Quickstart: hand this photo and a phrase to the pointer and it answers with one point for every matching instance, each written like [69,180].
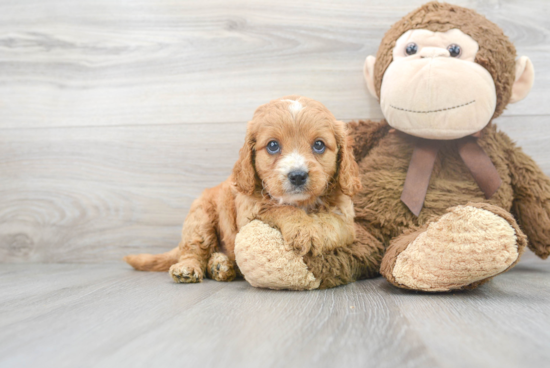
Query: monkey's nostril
[297,178]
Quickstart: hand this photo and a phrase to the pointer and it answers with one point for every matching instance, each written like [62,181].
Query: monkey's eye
[319,147]
[454,50]
[273,147]
[411,48]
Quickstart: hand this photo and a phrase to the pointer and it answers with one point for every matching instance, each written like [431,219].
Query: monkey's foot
[186,272]
[221,268]
[461,250]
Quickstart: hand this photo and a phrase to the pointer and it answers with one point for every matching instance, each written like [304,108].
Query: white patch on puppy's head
[295,107]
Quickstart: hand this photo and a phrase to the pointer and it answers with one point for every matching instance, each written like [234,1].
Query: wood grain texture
[145,62]
[97,194]
[93,194]
[115,115]
[111,316]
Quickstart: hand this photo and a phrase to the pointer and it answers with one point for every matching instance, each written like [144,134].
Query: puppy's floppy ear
[243,171]
[348,171]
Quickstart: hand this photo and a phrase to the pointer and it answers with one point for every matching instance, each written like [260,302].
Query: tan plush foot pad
[262,258]
[464,246]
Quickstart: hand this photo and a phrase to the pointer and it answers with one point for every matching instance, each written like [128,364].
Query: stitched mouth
[430,111]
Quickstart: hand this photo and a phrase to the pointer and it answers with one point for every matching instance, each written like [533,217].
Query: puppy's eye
[273,147]
[319,147]
[454,50]
[411,48]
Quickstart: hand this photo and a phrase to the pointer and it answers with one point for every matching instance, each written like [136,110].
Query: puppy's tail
[153,262]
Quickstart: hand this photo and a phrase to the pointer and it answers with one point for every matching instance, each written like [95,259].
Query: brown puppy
[295,172]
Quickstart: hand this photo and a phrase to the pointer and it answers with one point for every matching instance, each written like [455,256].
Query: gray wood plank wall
[114,115]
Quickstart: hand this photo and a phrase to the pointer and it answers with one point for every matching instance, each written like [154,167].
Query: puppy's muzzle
[297,178]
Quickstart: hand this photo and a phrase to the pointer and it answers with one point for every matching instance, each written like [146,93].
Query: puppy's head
[296,151]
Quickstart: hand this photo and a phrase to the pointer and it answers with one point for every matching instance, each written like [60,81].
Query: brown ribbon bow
[422,162]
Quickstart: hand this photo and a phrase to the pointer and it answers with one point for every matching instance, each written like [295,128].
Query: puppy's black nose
[297,178]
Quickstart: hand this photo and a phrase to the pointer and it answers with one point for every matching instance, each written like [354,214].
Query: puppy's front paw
[298,239]
[221,268]
[186,272]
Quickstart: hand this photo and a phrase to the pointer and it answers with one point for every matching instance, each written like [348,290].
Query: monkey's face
[449,77]
[434,89]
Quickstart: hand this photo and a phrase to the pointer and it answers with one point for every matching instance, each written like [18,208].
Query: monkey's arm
[531,201]
[365,134]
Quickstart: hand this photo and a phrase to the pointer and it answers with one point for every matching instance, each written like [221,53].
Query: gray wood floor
[106,315]
[115,115]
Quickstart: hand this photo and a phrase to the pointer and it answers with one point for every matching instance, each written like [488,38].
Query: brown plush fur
[525,190]
[384,154]
[496,53]
[400,243]
[317,222]
[359,260]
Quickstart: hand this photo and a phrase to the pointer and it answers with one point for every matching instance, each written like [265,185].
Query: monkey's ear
[368,72]
[525,76]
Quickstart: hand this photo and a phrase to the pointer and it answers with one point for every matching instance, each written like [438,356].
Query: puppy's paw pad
[221,268]
[184,273]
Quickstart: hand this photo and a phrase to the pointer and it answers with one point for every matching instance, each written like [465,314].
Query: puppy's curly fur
[314,218]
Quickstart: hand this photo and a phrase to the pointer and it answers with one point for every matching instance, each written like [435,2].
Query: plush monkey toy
[448,201]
